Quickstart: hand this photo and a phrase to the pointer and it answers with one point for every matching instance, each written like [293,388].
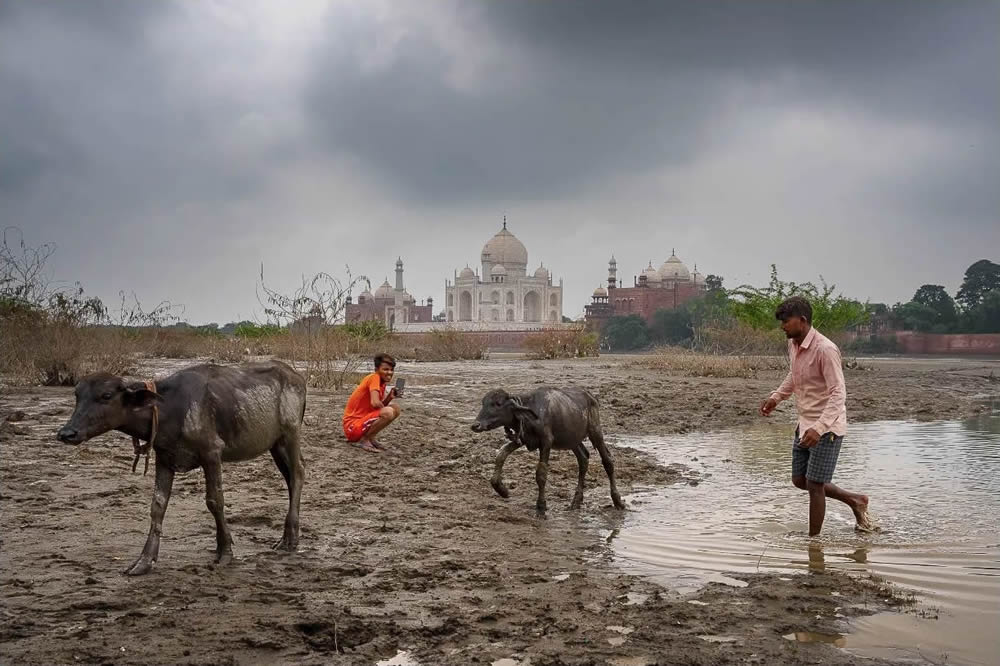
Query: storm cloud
[171,148]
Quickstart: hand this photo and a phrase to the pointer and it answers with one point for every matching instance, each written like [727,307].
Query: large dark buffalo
[546,419]
[201,416]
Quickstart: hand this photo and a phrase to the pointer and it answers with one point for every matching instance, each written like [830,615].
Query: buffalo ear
[520,409]
[142,397]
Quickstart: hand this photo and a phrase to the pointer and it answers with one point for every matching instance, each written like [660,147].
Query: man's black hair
[796,306]
[384,358]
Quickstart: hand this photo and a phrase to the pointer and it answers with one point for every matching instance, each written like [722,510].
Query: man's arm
[833,376]
[784,390]
[376,401]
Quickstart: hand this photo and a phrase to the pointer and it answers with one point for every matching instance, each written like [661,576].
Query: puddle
[616,641]
[838,640]
[402,658]
[934,486]
[635,599]
[719,639]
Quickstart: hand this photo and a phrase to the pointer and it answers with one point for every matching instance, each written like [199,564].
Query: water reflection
[935,487]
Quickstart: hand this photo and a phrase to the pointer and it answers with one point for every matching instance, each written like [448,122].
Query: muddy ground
[413,551]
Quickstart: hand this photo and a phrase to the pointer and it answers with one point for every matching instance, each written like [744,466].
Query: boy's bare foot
[365,445]
[383,447]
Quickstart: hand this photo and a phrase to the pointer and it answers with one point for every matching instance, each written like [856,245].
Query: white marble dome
[385,291]
[542,273]
[673,269]
[651,274]
[504,248]
[467,273]
[498,270]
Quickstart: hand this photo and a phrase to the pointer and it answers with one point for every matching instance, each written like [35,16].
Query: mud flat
[413,552]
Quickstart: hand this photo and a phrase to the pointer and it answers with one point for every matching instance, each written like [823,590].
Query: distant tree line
[974,309]
[745,307]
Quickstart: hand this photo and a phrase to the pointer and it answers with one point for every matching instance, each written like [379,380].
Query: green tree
[985,317]
[935,297]
[914,316]
[625,333]
[981,277]
[755,306]
[713,282]
[672,326]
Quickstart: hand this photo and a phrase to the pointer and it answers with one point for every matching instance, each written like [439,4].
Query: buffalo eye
[106,396]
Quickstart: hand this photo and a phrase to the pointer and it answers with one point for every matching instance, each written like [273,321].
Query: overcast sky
[169,148]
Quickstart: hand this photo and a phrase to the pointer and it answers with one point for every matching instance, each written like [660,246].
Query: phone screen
[400,383]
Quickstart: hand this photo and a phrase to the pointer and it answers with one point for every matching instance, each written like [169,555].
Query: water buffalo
[201,416]
[546,419]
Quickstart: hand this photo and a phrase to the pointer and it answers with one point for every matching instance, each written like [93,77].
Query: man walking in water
[817,381]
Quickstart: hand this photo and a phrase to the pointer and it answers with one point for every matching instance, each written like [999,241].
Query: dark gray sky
[170,148]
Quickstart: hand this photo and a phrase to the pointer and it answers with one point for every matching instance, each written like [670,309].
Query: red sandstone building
[388,305]
[654,289]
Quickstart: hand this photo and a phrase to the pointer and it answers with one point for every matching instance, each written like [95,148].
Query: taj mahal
[503,294]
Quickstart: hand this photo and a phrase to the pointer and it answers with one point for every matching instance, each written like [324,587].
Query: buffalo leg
[288,458]
[583,460]
[541,474]
[216,504]
[161,496]
[497,481]
[597,439]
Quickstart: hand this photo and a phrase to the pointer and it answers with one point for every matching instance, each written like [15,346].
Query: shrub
[571,343]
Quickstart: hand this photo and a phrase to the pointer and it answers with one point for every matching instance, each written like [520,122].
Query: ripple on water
[935,487]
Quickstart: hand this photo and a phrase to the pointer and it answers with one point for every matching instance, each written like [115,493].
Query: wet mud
[412,550]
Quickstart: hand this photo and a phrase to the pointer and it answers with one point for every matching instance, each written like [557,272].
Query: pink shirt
[817,381]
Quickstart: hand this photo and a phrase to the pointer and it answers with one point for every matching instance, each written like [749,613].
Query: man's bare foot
[380,446]
[365,445]
[865,522]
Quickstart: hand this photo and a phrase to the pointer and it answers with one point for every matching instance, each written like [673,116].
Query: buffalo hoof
[619,504]
[500,488]
[575,504]
[140,567]
[541,514]
[224,558]
[287,545]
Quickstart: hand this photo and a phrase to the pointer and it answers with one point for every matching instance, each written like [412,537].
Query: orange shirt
[359,405]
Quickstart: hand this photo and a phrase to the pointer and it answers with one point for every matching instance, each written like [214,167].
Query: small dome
[467,273]
[542,272]
[651,274]
[385,291]
[600,292]
[498,270]
[367,294]
[674,269]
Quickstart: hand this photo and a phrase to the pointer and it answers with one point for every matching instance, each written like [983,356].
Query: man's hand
[768,406]
[810,439]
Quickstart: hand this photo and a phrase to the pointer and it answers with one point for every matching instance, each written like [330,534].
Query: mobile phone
[400,383]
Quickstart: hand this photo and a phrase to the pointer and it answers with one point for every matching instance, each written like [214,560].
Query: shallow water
[934,487]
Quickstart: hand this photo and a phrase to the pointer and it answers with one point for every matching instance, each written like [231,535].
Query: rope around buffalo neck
[143,449]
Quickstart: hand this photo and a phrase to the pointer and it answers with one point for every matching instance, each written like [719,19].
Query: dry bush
[694,364]
[735,338]
[55,353]
[451,345]
[566,343]
[327,356]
